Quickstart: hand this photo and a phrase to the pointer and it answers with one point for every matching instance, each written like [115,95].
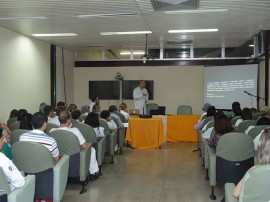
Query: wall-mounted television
[106,90]
[130,85]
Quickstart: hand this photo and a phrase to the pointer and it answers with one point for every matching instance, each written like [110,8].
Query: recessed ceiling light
[24,18]
[216,10]
[123,33]
[251,45]
[192,30]
[134,53]
[55,34]
[107,15]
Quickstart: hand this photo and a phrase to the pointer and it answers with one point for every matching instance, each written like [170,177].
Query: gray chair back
[50,126]
[15,135]
[254,132]
[245,124]
[235,147]
[207,119]
[31,157]
[104,124]
[234,119]
[11,120]
[4,187]
[67,142]
[74,122]
[151,106]
[14,125]
[87,131]
[210,124]
[122,117]
[184,110]
[255,116]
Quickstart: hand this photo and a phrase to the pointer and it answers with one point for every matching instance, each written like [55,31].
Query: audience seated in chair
[65,121]
[123,110]
[41,106]
[37,135]
[26,122]
[14,177]
[72,107]
[85,110]
[210,112]
[113,113]
[204,108]
[5,134]
[105,114]
[92,120]
[263,157]
[236,109]
[52,117]
[94,101]
[245,115]
[77,115]
[222,126]
[206,134]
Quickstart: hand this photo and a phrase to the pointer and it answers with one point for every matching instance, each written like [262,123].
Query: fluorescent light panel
[216,10]
[192,30]
[55,34]
[107,15]
[134,53]
[251,45]
[24,18]
[124,33]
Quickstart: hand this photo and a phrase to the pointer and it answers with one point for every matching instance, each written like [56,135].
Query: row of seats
[72,156]
[181,110]
[233,157]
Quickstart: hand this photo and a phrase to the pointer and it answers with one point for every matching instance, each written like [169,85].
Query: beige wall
[173,85]
[25,73]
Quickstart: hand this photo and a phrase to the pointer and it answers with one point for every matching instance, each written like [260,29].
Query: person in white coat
[140,96]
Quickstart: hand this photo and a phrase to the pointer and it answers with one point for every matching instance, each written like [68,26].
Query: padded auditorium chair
[256,116]
[151,106]
[111,138]
[245,124]
[199,134]
[234,119]
[14,125]
[233,157]
[25,193]
[209,125]
[50,126]
[255,186]
[11,120]
[184,110]
[120,136]
[254,132]
[34,158]
[15,135]
[122,117]
[74,122]
[68,144]
[90,137]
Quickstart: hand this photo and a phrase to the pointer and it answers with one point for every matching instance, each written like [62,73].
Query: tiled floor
[171,174]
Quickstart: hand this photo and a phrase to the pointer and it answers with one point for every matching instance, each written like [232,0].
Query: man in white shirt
[140,96]
[13,175]
[65,122]
[123,110]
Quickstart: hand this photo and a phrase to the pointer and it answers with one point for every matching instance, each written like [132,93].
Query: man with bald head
[65,123]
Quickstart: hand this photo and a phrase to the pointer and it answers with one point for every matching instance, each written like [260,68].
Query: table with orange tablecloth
[145,133]
[180,128]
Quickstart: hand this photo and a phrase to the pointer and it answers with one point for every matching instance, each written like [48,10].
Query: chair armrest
[85,156]
[101,150]
[212,166]
[60,175]
[113,140]
[229,187]
[25,193]
[206,155]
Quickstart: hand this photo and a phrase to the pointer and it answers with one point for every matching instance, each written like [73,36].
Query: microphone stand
[258,98]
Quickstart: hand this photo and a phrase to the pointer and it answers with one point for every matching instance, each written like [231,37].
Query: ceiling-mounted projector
[119,76]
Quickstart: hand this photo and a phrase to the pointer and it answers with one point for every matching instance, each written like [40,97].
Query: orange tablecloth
[180,128]
[145,133]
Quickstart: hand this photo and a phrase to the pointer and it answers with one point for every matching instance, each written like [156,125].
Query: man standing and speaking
[140,96]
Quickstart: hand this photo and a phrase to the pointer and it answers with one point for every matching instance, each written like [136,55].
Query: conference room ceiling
[242,20]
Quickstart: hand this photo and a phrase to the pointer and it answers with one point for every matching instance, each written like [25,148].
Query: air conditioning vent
[186,43]
[173,5]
